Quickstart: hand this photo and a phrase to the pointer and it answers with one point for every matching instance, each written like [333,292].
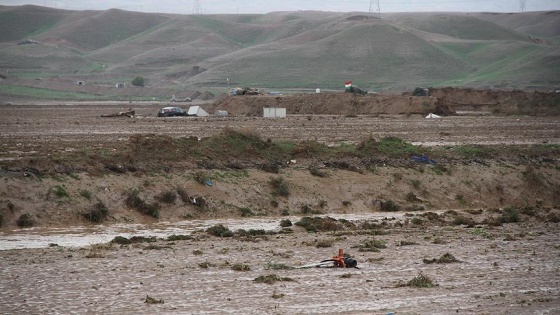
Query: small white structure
[197,111]
[317,90]
[430,115]
[274,112]
[221,113]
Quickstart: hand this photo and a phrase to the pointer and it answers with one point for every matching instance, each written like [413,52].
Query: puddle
[83,236]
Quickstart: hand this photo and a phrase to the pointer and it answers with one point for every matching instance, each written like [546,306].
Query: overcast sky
[264,6]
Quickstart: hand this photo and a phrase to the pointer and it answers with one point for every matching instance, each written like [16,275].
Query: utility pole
[375,7]
[522,5]
[197,8]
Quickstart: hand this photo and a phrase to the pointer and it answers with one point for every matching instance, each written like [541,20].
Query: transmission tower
[374,7]
[197,8]
[522,5]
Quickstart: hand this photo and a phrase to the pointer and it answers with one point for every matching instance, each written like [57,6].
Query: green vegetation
[219,230]
[168,197]
[60,191]
[25,220]
[388,146]
[316,224]
[98,213]
[134,201]
[420,281]
[280,186]
[371,245]
[138,81]
[86,194]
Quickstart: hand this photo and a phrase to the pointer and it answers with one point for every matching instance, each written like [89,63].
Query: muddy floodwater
[509,269]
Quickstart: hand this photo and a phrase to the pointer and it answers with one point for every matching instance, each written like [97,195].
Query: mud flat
[508,269]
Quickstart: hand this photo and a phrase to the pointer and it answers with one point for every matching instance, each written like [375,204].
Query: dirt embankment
[443,101]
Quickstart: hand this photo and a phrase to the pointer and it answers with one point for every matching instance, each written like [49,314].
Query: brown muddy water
[511,269]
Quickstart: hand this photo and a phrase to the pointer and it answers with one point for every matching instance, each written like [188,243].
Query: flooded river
[39,237]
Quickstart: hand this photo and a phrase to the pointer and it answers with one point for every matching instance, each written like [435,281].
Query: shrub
[389,205]
[121,240]
[138,81]
[446,258]
[415,183]
[246,212]
[510,215]
[1,219]
[11,206]
[174,237]
[98,213]
[183,195]
[134,201]
[280,186]
[317,172]
[316,224]
[285,223]
[168,197]
[25,220]
[462,220]
[219,230]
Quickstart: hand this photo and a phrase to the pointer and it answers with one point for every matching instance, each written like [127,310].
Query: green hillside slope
[284,49]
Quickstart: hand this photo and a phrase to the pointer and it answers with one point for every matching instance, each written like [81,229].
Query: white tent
[197,111]
[430,115]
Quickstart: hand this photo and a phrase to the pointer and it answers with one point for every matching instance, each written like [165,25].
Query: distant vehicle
[181,99]
[171,111]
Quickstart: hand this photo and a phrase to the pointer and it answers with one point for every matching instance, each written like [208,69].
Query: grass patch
[420,281]
[60,191]
[86,194]
[388,146]
[371,245]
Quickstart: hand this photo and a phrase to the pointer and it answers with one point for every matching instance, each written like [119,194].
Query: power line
[197,8]
[374,6]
